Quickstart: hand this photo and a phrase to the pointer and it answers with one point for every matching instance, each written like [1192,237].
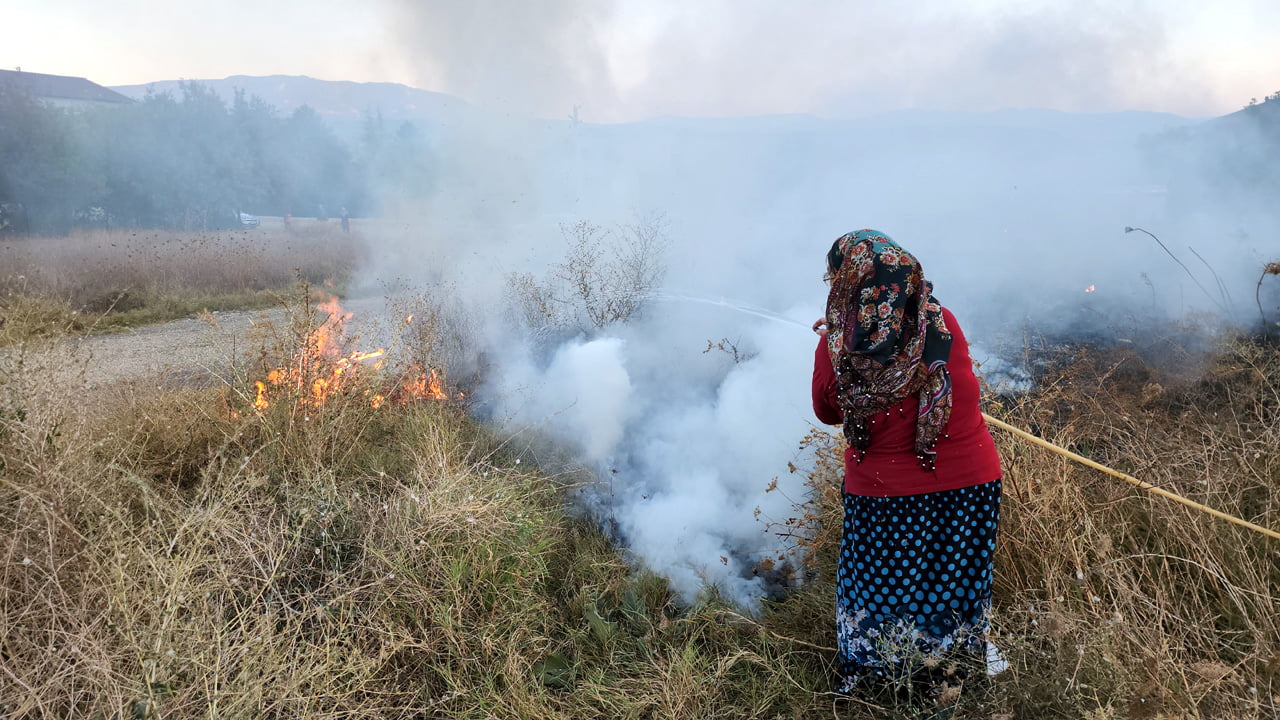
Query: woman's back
[966,453]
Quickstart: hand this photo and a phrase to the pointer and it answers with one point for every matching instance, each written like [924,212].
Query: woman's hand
[820,326]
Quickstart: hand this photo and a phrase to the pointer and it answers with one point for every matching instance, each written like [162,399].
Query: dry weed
[172,552]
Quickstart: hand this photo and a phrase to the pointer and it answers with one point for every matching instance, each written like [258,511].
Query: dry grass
[1112,603]
[168,552]
[105,280]
[1127,598]
[172,553]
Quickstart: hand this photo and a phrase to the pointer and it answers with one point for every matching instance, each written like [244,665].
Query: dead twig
[1272,268]
[1183,265]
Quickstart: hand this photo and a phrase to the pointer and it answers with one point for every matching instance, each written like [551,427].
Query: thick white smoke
[1013,215]
[686,441]
[582,397]
[632,59]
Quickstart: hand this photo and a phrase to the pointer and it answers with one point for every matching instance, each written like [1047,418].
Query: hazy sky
[632,59]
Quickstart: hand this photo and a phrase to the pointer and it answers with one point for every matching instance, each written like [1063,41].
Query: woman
[922,475]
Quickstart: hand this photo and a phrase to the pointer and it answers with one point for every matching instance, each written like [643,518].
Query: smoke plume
[1012,213]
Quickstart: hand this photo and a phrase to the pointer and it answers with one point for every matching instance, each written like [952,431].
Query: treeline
[191,161]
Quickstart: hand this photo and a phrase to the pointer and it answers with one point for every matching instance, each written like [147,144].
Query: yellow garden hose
[1130,479]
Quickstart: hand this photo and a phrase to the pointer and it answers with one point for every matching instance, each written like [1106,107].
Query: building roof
[61,87]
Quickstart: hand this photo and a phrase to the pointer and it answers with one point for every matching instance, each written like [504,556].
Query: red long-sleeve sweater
[966,453]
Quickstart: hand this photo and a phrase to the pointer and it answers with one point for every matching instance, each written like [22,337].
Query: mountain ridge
[396,101]
[331,98]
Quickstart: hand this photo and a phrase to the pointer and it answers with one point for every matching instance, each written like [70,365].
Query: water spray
[739,307]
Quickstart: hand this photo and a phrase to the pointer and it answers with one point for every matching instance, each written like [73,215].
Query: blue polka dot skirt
[913,589]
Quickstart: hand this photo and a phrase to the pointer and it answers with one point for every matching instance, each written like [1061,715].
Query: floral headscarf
[887,339]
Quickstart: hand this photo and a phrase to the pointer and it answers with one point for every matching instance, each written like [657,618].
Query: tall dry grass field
[1124,600]
[174,549]
[110,279]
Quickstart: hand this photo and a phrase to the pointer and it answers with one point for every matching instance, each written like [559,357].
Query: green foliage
[191,162]
[43,165]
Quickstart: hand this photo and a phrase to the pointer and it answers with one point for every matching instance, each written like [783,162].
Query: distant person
[288,221]
[346,220]
[321,213]
[922,476]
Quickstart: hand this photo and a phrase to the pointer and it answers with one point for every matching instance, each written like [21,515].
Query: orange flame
[1091,288]
[327,339]
[320,371]
[421,385]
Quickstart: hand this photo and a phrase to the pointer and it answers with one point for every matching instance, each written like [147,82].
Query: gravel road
[193,345]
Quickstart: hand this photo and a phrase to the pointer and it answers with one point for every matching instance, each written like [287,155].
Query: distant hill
[1266,112]
[337,100]
[1234,159]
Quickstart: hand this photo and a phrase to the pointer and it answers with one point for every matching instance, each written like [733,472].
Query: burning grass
[107,280]
[322,368]
[174,551]
[183,552]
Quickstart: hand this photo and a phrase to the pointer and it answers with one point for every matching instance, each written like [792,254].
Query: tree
[604,279]
[395,166]
[183,161]
[42,167]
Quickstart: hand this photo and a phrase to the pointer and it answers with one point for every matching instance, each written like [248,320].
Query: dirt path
[194,345]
